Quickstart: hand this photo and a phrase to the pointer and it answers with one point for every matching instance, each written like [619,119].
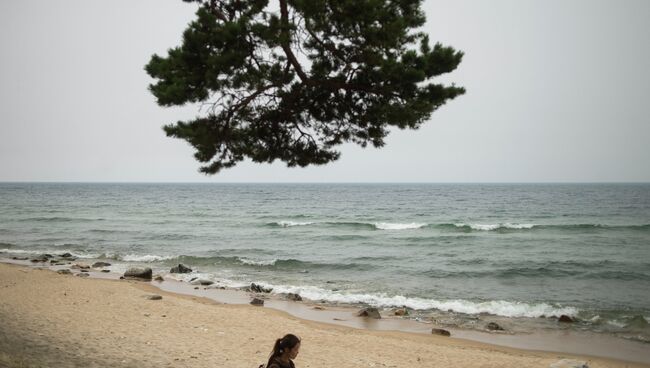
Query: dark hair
[289,341]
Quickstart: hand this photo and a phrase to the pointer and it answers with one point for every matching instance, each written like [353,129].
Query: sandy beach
[51,320]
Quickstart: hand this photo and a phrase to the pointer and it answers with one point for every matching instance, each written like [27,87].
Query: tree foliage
[294,79]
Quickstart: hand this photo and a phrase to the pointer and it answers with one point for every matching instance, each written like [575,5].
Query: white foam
[53,252]
[495,307]
[257,263]
[143,258]
[491,227]
[186,277]
[616,323]
[20,251]
[293,223]
[397,226]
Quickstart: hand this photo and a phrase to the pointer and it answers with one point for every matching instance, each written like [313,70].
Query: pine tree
[294,79]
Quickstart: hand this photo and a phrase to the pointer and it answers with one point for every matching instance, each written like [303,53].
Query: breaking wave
[494,307]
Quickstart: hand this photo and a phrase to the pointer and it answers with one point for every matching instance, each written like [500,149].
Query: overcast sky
[557,91]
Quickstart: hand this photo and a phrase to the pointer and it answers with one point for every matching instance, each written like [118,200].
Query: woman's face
[293,353]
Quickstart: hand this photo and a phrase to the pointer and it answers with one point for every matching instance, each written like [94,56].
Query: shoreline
[545,345]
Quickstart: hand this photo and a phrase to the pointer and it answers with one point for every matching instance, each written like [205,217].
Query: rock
[138,273]
[202,282]
[318,307]
[294,297]
[401,312]
[66,255]
[440,331]
[181,268]
[196,288]
[569,363]
[20,258]
[257,301]
[192,279]
[565,318]
[83,274]
[81,266]
[101,264]
[106,271]
[159,278]
[154,297]
[259,288]
[47,255]
[84,270]
[369,312]
[64,271]
[40,258]
[53,261]
[493,326]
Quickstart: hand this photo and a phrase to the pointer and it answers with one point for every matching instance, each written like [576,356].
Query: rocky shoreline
[346,315]
[50,319]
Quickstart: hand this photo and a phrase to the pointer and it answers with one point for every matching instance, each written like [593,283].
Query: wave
[290,223]
[147,258]
[494,307]
[133,257]
[357,225]
[492,227]
[553,270]
[272,264]
[460,227]
[397,226]
[252,262]
[294,264]
[517,226]
[74,253]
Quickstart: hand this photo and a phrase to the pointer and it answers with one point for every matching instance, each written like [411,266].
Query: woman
[284,351]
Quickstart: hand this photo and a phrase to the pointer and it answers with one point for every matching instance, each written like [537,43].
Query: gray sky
[557,91]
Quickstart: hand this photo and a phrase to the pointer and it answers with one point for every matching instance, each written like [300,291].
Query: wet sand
[49,320]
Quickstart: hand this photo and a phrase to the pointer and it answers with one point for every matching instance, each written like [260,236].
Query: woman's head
[286,347]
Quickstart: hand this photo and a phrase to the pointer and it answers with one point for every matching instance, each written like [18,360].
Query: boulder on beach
[66,255]
[293,296]
[82,275]
[569,363]
[20,258]
[259,288]
[41,258]
[181,268]
[440,331]
[202,282]
[257,301]
[78,266]
[369,312]
[64,271]
[101,264]
[493,326]
[159,278]
[154,297]
[401,312]
[566,319]
[138,273]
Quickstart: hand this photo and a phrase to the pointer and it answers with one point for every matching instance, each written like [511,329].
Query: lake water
[519,253]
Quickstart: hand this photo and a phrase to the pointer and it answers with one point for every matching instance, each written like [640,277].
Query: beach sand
[52,320]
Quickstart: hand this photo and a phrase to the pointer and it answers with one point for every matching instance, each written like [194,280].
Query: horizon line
[320,182]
